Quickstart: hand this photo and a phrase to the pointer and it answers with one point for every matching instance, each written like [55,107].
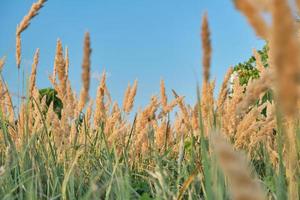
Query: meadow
[241,144]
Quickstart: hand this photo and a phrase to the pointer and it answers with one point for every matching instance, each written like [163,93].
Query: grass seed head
[206,47]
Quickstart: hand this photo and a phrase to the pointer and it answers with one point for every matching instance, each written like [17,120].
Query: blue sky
[131,39]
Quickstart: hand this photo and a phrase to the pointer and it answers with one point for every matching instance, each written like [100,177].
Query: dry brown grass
[2,62]
[285,49]
[254,89]
[206,47]
[33,72]
[24,25]
[251,10]
[241,182]
[86,65]
[236,113]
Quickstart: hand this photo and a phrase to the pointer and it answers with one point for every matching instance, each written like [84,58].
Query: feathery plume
[161,134]
[71,99]
[224,90]
[184,112]
[259,64]
[195,117]
[6,105]
[147,115]
[86,62]
[129,97]
[50,114]
[247,127]
[33,72]
[10,107]
[206,47]
[207,105]
[150,110]
[18,50]
[22,121]
[86,65]
[235,168]
[143,125]
[112,122]
[207,102]
[229,117]
[180,103]
[100,111]
[255,19]
[126,96]
[67,61]
[267,126]
[163,96]
[53,77]
[89,113]
[2,62]
[60,68]
[285,50]
[2,97]
[24,24]
[32,13]
[172,104]
[254,89]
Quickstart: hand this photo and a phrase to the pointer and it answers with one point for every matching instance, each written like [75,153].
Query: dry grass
[251,10]
[241,182]
[24,25]
[206,47]
[153,143]
[86,65]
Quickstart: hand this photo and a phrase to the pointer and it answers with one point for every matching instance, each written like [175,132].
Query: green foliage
[51,96]
[247,69]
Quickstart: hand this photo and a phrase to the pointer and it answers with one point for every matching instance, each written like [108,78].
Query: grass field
[236,145]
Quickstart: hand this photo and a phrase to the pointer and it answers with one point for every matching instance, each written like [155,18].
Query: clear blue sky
[131,39]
